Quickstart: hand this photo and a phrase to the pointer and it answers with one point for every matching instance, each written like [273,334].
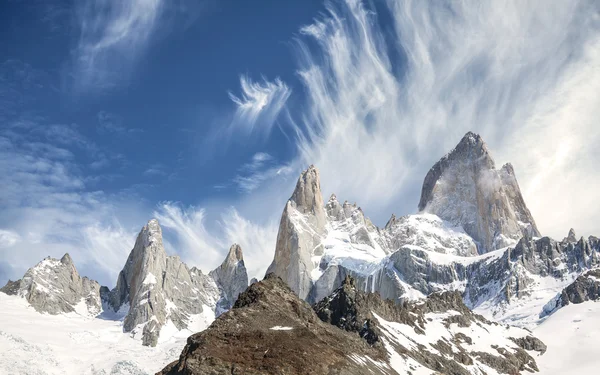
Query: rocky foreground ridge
[152,289]
[272,331]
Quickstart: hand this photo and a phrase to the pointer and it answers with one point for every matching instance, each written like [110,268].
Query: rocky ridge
[585,288]
[416,255]
[54,286]
[270,330]
[153,290]
[157,289]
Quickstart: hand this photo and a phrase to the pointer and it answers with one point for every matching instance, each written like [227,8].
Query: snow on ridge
[150,279]
[281,328]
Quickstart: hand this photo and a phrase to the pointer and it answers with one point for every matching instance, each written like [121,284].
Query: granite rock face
[54,286]
[231,276]
[156,288]
[301,231]
[466,189]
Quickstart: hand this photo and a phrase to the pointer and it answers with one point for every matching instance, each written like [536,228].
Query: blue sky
[203,113]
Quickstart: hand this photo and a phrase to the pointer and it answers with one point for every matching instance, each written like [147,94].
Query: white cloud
[46,209]
[8,238]
[259,170]
[258,106]
[187,235]
[113,35]
[383,105]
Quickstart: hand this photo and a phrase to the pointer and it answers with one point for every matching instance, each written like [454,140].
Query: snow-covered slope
[572,335]
[44,344]
[156,295]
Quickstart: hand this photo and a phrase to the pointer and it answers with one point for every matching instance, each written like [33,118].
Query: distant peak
[333,198]
[472,138]
[390,222]
[235,253]
[572,237]
[66,259]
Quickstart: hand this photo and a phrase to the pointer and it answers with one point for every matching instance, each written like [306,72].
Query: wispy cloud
[188,235]
[382,107]
[262,167]
[46,207]
[113,35]
[258,106]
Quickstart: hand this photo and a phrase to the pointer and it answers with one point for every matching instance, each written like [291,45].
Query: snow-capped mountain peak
[465,188]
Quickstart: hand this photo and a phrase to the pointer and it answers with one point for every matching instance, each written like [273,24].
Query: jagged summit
[158,289]
[231,276]
[54,286]
[301,230]
[571,237]
[466,189]
[307,195]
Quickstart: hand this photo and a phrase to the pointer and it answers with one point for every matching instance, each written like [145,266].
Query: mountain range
[460,287]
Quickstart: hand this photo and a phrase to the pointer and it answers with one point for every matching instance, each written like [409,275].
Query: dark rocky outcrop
[355,311]
[585,288]
[271,331]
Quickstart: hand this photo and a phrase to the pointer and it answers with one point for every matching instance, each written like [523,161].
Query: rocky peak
[157,288]
[231,277]
[391,222]
[66,259]
[271,331]
[301,231]
[571,237]
[307,195]
[54,286]
[466,189]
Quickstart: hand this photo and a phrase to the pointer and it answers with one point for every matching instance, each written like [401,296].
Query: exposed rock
[531,343]
[157,288]
[54,286]
[571,237]
[466,189]
[300,234]
[271,331]
[231,277]
[585,288]
[398,327]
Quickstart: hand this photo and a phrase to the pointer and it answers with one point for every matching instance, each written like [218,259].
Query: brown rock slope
[271,331]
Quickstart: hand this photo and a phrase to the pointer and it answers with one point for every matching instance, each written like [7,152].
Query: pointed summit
[157,288]
[231,277]
[466,189]
[307,195]
[572,237]
[66,259]
[301,229]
